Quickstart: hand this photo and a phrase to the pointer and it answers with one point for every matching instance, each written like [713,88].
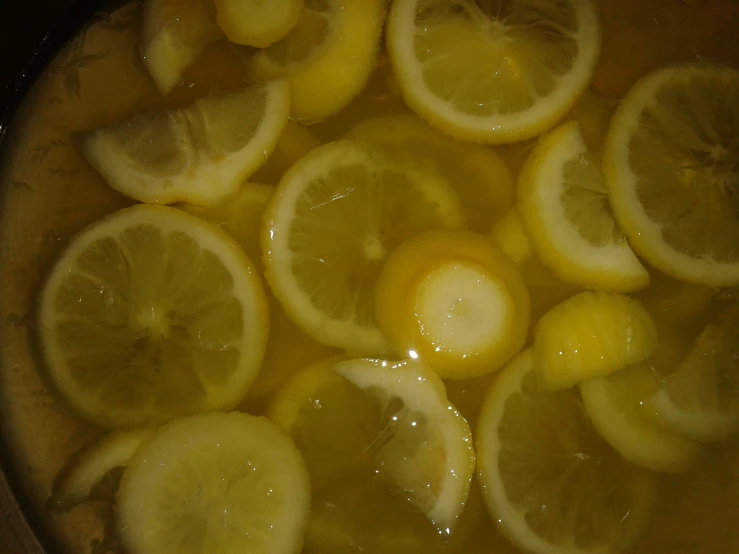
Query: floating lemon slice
[493,73]
[199,154]
[670,161]
[388,428]
[700,399]
[589,335]
[563,202]
[215,483]
[173,34]
[78,480]
[328,57]
[616,405]
[337,214]
[481,178]
[454,301]
[152,313]
[548,479]
[256,22]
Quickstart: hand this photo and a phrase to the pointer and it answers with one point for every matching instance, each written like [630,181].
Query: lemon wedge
[173,34]
[199,154]
[79,478]
[481,178]
[214,483]
[452,300]
[327,58]
[336,215]
[589,335]
[388,428]
[256,22]
[670,161]
[493,73]
[149,314]
[563,203]
[549,481]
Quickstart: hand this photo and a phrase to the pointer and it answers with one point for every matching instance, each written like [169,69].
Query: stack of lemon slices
[403,243]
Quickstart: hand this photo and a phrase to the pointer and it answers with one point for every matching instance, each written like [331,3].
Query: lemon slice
[337,214]
[78,480]
[616,405]
[589,335]
[493,73]
[481,178]
[256,22]
[388,428]
[214,483]
[173,34]
[563,202]
[548,479]
[328,57]
[149,314]
[199,154]
[701,398]
[452,300]
[670,161]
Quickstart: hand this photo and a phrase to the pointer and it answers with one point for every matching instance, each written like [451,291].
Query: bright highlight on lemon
[454,301]
[200,154]
[492,72]
[151,314]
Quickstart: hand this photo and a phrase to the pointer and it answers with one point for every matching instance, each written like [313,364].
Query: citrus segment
[548,479]
[493,72]
[214,483]
[149,314]
[256,22]
[336,215]
[671,160]
[327,58]
[563,202]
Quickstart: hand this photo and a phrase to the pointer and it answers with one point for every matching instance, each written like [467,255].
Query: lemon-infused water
[484,229]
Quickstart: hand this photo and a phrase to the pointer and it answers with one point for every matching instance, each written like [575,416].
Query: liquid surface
[49,193]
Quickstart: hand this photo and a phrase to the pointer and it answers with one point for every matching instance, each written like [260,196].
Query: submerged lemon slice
[327,58]
[670,160]
[493,73]
[589,335]
[336,215]
[214,483]
[256,22]
[173,34]
[152,313]
[199,154]
[479,176]
[549,481]
[386,427]
[563,202]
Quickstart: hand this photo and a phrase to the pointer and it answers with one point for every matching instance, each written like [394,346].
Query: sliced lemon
[337,214]
[452,300]
[481,178]
[295,142]
[214,483]
[258,23]
[173,34]
[328,57]
[563,202]
[491,72]
[670,161]
[545,289]
[589,335]
[152,313]
[79,478]
[548,479]
[387,428]
[199,154]
[616,405]
[701,398]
